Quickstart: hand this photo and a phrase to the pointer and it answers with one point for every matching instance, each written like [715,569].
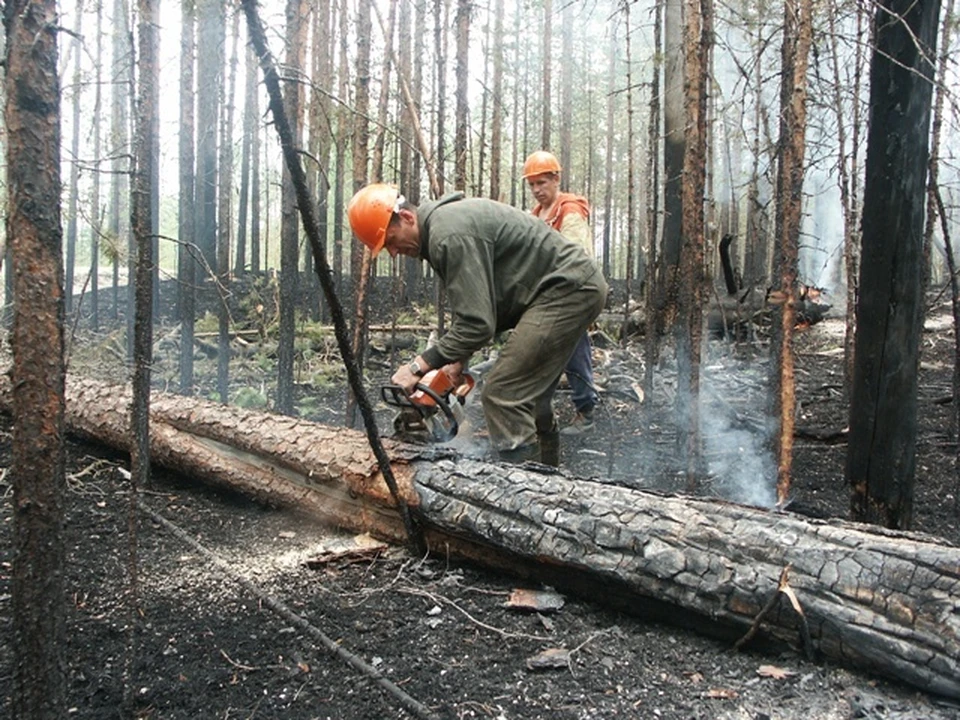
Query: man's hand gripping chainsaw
[433,412]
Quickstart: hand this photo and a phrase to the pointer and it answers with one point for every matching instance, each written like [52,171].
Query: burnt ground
[239,605]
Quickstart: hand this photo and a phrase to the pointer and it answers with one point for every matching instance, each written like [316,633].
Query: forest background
[490,82]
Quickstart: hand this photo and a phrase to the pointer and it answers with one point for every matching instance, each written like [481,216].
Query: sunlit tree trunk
[881,459]
[37,471]
[697,37]
[795,51]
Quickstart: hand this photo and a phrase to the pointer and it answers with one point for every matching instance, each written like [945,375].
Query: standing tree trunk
[673,155]
[246,145]
[462,111]
[566,98]
[360,255]
[340,157]
[32,116]
[631,209]
[496,109]
[73,191]
[186,223]
[95,214]
[606,241]
[547,76]
[698,31]
[797,38]
[119,150]
[210,14]
[290,219]
[651,339]
[881,460]
[225,224]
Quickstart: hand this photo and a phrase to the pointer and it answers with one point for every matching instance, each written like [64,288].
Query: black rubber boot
[521,454]
[549,448]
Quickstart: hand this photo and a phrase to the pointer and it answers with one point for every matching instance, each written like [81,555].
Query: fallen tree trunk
[884,601]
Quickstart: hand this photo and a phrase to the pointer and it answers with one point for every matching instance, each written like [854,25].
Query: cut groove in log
[884,601]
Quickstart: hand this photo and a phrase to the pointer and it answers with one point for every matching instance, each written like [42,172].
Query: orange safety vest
[566,203]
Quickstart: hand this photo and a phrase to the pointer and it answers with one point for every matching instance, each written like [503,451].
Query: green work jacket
[494,262]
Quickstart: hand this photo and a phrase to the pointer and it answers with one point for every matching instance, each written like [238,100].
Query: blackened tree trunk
[32,116]
[881,459]
[652,339]
[290,219]
[673,153]
[631,207]
[797,38]
[186,222]
[344,126]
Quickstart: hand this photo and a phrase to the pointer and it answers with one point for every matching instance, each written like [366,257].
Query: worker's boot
[549,447]
[522,454]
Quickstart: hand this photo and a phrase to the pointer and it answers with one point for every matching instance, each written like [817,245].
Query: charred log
[741,310]
[888,602]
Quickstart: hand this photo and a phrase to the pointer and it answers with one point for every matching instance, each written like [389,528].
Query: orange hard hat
[370,210]
[540,162]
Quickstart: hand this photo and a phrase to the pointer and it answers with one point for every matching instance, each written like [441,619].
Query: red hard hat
[369,211]
[540,162]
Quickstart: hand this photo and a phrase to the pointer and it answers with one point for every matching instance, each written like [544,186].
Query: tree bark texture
[886,601]
[881,461]
[33,228]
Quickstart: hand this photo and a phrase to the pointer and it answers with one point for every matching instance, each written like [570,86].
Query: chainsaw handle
[442,405]
[396,396]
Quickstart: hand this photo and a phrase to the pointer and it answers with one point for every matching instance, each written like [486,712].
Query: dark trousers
[518,392]
[579,370]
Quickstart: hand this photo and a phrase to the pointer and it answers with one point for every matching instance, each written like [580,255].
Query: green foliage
[208,323]
[250,398]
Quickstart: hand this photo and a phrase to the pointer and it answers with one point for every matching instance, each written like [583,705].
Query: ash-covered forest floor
[238,605]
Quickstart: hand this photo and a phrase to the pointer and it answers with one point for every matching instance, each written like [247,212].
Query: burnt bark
[885,601]
[881,461]
[33,227]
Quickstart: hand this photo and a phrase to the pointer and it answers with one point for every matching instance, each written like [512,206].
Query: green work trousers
[518,392]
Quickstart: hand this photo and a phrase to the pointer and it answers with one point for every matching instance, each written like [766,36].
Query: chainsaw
[433,412]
